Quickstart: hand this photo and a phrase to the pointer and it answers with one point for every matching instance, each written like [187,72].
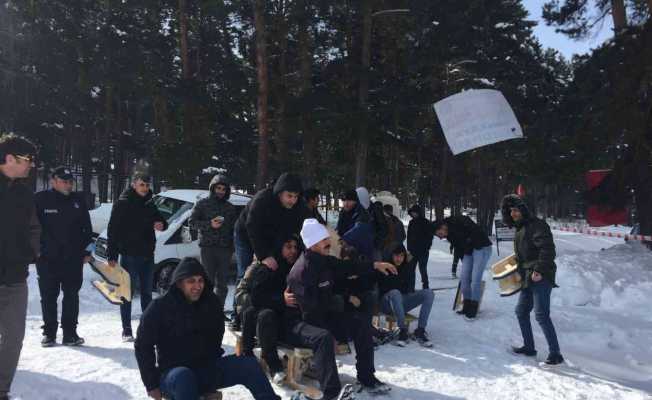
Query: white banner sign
[476,118]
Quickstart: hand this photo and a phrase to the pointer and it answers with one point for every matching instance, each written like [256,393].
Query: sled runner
[458,303]
[115,284]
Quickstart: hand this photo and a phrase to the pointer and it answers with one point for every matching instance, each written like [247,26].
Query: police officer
[65,247]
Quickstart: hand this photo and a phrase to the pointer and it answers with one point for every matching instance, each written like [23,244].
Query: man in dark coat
[535,253]
[261,303]
[352,212]
[310,283]
[179,343]
[214,218]
[65,240]
[19,246]
[419,241]
[273,213]
[396,234]
[311,196]
[468,238]
[131,236]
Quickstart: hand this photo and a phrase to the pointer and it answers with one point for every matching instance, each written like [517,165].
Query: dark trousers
[266,325]
[140,269]
[55,277]
[13,309]
[536,296]
[216,261]
[183,383]
[422,262]
[320,341]
[244,256]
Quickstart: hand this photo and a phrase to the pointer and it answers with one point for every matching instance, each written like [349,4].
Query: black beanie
[350,195]
[188,267]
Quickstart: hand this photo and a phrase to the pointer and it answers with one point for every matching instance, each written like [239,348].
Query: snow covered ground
[601,313]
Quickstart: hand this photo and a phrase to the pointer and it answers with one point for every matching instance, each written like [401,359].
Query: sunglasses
[26,157]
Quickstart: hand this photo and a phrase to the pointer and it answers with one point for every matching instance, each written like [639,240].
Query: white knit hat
[313,232]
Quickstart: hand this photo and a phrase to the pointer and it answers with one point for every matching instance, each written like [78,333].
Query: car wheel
[164,277]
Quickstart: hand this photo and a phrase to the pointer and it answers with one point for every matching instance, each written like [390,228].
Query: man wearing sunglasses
[19,246]
[64,250]
[134,218]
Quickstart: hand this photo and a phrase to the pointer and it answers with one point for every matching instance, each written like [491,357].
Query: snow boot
[471,311]
[554,359]
[48,341]
[72,339]
[127,335]
[524,351]
[403,338]
[422,337]
[465,307]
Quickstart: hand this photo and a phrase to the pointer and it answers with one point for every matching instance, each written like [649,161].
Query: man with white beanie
[317,309]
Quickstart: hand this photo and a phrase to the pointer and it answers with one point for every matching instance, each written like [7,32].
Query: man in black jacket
[469,239]
[311,196]
[19,246]
[310,285]
[179,343]
[352,212]
[214,218]
[535,253]
[273,213]
[131,236]
[65,238]
[396,233]
[261,304]
[419,241]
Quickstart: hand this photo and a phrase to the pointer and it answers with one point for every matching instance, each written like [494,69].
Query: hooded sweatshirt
[210,207]
[420,232]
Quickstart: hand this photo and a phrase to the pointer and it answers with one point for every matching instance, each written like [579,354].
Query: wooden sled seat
[388,321]
[506,273]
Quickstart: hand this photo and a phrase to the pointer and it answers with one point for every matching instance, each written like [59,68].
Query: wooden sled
[458,303]
[387,321]
[116,283]
[297,360]
[506,273]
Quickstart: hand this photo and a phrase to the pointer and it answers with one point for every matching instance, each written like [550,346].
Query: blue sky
[549,38]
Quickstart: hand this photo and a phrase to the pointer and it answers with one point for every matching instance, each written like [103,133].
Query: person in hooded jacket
[311,290]
[534,248]
[419,241]
[65,240]
[469,239]
[134,218]
[396,234]
[311,196]
[398,297]
[214,218]
[261,303]
[352,212]
[179,344]
[272,213]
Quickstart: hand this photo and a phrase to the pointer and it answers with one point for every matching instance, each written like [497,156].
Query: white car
[176,242]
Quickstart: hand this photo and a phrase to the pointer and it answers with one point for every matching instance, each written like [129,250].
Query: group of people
[291,288]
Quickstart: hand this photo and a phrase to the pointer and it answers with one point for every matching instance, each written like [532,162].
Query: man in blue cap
[65,237]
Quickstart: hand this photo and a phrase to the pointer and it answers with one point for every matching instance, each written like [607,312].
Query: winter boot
[403,338]
[373,386]
[127,335]
[422,337]
[554,359]
[72,339]
[465,307]
[48,341]
[524,351]
[471,311]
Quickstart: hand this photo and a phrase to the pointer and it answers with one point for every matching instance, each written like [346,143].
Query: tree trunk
[305,87]
[362,149]
[183,39]
[263,92]
[619,15]
[281,91]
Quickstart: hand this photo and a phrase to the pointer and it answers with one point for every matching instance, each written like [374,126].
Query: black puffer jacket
[131,226]
[207,209]
[175,333]
[265,222]
[66,225]
[420,232]
[465,235]
[533,242]
[20,232]
[404,280]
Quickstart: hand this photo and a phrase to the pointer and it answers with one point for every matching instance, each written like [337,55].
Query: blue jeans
[537,296]
[140,269]
[183,383]
[396,303]
[473,266]
[244,255]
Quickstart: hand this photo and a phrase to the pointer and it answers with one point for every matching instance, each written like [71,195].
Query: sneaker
[72,340]
[403,338]
[127,336]
[554,359]
[347,392]
[453,275]
[47,341]
[373,387]
[279,377]
[422,337]
[382,386]
[524,351]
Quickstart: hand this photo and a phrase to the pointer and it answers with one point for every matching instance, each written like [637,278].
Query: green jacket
[535,250]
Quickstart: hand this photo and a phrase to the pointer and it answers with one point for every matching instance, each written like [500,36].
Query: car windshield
[171,208]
